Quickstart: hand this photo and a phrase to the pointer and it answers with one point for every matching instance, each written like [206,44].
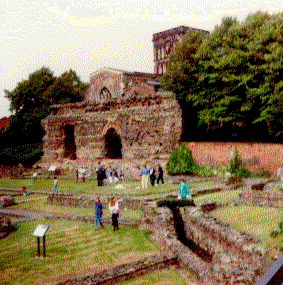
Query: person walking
[114,211]
[55,191]
[152,176]
[144,177]
[160,174]
[77,176]
[100,174]
[98,213]
[184,190]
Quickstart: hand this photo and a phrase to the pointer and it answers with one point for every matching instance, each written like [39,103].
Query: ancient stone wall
[258,192]
[234,258]
[147,127]
[131,270]
[89,202]
[6,226]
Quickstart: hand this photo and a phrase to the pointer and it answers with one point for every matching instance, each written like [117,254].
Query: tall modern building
[164,42]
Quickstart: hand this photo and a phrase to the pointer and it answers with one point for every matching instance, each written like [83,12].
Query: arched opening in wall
[69,142]
[104,94]
[113,144]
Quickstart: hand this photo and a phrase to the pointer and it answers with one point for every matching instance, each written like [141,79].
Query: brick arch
[112,143]
[112,126]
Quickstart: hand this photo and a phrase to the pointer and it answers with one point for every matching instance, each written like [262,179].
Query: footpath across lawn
[72,248]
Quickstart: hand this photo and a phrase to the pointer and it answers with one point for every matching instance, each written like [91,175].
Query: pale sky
[86,35]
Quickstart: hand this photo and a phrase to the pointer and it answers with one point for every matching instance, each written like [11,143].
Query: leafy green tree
[234,75]
[181,162]
[30,103]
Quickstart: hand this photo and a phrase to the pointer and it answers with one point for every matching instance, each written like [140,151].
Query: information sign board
[41,230]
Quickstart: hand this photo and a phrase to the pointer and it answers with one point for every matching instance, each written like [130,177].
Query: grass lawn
[258,221]
[73,248]
[39,203]
[132,188]
[164,277]
[223,196]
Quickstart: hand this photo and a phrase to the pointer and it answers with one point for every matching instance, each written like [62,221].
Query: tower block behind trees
[164,43]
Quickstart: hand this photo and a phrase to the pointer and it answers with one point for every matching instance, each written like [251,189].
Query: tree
[234,76]
[30,103]
[181,161]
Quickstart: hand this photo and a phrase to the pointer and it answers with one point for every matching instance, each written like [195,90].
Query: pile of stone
[6,201]
[225,253]
[258,192]
[6,226]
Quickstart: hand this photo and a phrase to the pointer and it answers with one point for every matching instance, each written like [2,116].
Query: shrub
[235,162]
[181,162]
[236,165]
[242,172]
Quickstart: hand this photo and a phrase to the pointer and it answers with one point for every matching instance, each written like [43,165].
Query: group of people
[111,174]
[152,175]
[114,211]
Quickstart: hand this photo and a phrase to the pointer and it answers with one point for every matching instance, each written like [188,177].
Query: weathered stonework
[256,192]
[225,256]
[127,271]
[6,201]
[164,42]
[148,122]
[89,202]
[6,226]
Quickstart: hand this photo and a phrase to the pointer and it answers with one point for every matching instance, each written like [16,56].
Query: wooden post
[38,246]
[44,248]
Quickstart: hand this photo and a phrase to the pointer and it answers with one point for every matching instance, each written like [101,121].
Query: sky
[87,35]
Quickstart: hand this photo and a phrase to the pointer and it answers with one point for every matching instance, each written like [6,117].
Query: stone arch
[112,144]
[104,94]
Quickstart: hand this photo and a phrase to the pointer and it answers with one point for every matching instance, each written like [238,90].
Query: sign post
[41,231]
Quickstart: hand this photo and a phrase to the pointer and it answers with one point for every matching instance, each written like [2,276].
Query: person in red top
[24,191]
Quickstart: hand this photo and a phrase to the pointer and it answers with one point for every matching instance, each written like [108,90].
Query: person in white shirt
[114,211]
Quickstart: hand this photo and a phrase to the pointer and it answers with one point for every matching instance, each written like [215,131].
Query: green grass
[164,277]
[223,196]
[132,188]
[72,248]
[39,203]
[258,221]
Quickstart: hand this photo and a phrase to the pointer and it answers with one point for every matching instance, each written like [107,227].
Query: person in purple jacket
[98,213]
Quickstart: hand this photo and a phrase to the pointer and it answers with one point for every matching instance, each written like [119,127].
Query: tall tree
[30,103]
[236,74]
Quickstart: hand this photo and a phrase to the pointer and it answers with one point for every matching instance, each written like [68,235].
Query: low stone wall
[6,226]
[221,256]
[6,201]
[262,199]
[160,221]
[258,193]
[131,270]
[89,202]
[235,255]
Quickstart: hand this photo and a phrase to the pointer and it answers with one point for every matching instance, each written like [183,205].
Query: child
[24,191]
[55,185]
[184,190]
[98,212]
[114,211]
